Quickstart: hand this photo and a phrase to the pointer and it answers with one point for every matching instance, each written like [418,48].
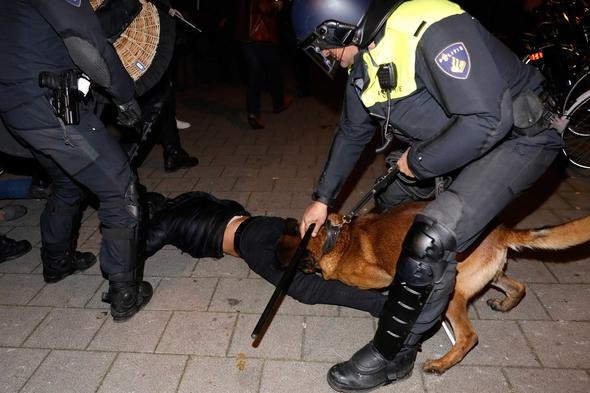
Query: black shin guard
[427,250]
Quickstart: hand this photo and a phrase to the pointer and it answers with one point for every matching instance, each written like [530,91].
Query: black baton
[282,287]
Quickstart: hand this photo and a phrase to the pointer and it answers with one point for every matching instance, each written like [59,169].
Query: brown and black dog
[366,252]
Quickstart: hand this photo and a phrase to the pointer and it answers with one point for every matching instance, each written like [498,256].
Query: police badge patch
[454,61]
[75,3]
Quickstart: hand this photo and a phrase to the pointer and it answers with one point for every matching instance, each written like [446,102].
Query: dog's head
[315,250]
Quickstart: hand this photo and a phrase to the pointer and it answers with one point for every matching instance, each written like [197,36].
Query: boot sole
[343,389]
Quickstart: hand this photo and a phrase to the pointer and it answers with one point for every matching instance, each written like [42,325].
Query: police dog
[365,252]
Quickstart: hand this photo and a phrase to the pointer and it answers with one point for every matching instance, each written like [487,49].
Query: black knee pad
[426,250]
[194,222]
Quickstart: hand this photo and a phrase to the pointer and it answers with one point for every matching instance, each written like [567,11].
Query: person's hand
[129,113]
[402,164]
[316,213]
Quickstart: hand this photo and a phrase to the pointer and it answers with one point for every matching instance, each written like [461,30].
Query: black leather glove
[129,113]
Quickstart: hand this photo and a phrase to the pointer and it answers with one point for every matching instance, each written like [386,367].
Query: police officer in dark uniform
[61,39]
[466,106]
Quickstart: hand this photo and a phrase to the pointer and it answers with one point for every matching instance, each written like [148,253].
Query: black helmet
[324,24]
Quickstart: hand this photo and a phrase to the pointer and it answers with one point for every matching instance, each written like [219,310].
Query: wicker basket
[145,47]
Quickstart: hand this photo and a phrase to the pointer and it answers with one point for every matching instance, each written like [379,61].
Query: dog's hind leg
[465,336]
[514,291]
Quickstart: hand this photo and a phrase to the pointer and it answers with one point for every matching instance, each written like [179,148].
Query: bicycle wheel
[577,133]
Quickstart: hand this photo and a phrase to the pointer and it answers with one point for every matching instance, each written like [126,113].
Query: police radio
[387,76]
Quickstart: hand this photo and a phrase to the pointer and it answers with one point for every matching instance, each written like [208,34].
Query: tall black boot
[368,369]
[426,252]
[127,294]
[176,158]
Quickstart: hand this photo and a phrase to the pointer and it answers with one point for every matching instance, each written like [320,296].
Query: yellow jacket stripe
[398,45]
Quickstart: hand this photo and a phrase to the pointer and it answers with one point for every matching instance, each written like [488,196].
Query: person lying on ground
[203,226]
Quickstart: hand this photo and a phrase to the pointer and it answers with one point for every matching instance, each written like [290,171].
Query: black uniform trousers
[78,155]
[478,193]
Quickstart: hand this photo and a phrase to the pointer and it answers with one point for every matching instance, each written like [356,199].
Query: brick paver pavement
[194,336]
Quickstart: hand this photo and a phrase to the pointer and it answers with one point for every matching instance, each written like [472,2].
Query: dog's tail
[556,237]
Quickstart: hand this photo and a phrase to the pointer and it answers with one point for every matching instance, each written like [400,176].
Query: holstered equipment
[65,96]
[531,113]
[427,250]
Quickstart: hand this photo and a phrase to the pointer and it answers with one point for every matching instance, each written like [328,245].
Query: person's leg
[94,159]
[425,272]
[60,224]
[175,157]
[254,83]
[271,56]
[204,226]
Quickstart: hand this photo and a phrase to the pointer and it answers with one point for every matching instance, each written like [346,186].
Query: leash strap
[379,185]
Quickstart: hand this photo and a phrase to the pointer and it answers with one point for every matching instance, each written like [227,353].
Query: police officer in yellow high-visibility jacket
[466,106]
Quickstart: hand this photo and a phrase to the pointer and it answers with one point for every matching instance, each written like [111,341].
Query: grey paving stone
[565,301]
[248,295]
[335,339]
[559,344]
[529,270]
[267,200]
[138,334]
[240,171]
[169,263]
[527,380]
[24,264]
[146,373]
[19,289]
[238,374]
[290,306]
[74,291]
[282,340]
[17,365]
[501,343]
[70,372]
[17,322]
[176,184]
[468,380]
[188,294]
[577,199]
[226,267]
[539,218]
[216,185]
[281,376]
[68,328]
[576,270]
[198,333]
[528,308]
[253,184]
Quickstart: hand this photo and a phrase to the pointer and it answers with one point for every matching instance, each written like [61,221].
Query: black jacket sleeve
[78,26]
[478,100]
[355,129]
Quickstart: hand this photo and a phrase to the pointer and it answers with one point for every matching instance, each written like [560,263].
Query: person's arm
[455,65]
[88,46]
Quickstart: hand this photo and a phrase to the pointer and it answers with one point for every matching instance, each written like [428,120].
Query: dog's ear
[291,227]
